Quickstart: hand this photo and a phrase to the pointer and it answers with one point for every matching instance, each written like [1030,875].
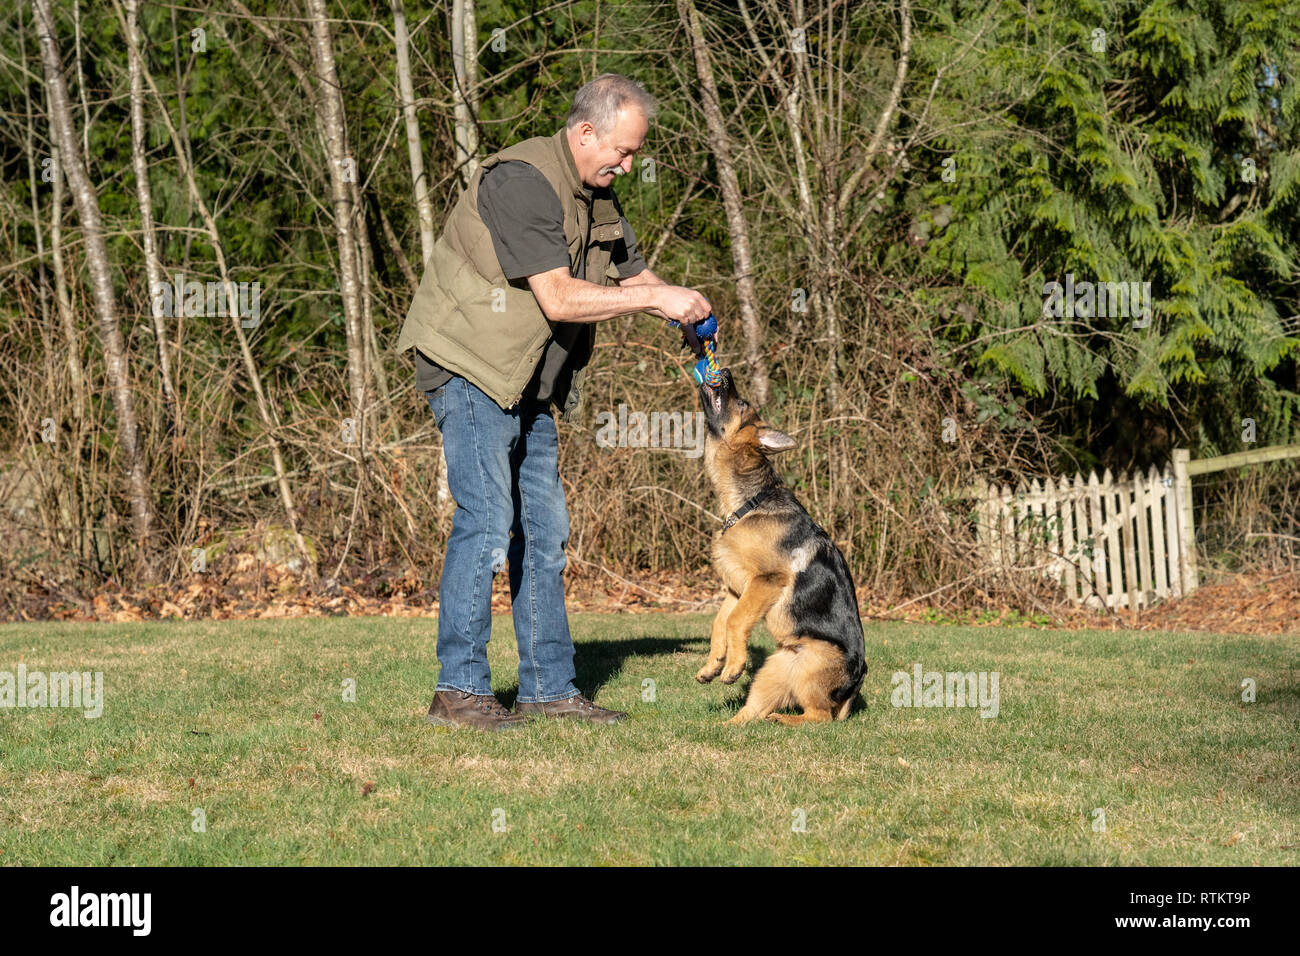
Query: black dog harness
[746,508]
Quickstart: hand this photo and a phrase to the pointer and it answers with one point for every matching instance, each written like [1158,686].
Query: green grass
[222,716]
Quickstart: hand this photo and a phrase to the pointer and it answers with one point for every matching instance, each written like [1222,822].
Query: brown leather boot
[452,708]
[577,707]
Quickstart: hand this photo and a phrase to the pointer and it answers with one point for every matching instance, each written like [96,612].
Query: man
[503,325]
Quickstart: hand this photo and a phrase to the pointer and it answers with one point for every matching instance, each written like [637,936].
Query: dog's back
[823,603]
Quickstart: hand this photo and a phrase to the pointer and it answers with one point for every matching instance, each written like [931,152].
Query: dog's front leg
[760,593]
[717,642]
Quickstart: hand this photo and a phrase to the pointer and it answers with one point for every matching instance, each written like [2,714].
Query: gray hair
[599,102]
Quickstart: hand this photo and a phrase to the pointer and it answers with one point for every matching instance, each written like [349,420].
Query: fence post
[1156,504]
[1186,525]
[1172,542]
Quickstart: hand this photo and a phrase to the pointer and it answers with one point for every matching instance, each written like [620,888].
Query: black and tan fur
[778,566]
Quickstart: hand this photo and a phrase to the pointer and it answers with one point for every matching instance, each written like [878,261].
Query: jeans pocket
[437,399]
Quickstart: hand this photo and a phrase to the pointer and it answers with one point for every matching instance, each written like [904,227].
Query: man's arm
[644,277]
[566,299]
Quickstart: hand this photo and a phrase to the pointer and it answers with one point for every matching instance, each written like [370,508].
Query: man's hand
[680,304]
[646,277]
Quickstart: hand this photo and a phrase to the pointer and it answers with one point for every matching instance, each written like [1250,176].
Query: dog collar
[745,509]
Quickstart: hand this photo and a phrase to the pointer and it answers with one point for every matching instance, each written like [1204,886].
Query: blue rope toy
[701,339]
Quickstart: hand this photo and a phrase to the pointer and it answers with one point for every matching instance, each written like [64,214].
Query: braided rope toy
[706,368]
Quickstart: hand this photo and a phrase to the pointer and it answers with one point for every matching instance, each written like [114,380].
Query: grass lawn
[245,720]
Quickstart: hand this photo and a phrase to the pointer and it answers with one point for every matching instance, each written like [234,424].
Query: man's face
[600,160]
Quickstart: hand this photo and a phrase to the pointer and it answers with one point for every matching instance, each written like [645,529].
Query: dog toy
[700,337]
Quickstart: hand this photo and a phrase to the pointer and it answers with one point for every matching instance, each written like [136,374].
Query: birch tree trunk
[330,107]
[414,149]
[81,82]
[110,333]
[464,95]
[472,92]
[733,204]
[144,196]
[185,137]
[72,535]
[367,270]
[61,296]
[73,349]
[43,286]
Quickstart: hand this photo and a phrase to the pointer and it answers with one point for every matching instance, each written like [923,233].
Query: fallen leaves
[1245,604]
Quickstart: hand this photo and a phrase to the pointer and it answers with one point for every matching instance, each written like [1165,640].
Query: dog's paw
[708,672]
[740,718]
[731,676]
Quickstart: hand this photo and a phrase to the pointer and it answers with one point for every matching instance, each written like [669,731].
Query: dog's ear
[771,440]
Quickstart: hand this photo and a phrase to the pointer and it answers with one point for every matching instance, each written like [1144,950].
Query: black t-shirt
[524,217]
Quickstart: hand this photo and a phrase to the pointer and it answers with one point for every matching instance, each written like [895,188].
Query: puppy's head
[736,436]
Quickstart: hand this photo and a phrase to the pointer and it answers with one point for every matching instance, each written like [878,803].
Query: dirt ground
[1255,603]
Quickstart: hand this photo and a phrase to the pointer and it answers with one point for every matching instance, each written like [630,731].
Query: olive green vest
[471,320]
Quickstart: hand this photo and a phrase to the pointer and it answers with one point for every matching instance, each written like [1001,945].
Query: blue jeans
[503,473]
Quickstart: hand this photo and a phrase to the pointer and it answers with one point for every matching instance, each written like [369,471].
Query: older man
[503,325]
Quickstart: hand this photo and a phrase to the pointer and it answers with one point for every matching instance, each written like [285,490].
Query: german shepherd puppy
[778,565]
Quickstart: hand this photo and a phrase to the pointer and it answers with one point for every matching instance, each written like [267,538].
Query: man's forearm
[644,277]
[576,300]
[566,299]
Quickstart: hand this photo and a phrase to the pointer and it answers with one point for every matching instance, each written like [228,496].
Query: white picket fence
[1118,541]
[1122,542]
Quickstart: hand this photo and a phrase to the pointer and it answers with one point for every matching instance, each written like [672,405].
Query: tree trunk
[330,107]
[144,196]
[110,333]
[61,296]
[414,149]
[367,269]
[464,96]
[733,203]
[43,282]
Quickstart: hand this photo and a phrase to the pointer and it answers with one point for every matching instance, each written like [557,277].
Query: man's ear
[771,440]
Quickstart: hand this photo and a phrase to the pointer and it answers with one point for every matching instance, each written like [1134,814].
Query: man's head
[607,126]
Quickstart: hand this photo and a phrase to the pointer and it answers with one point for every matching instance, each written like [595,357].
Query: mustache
[616,170]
